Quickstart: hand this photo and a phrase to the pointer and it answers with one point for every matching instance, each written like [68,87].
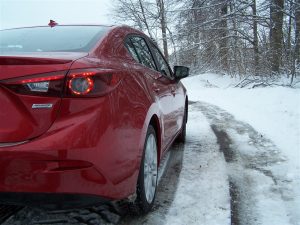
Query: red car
[87,113]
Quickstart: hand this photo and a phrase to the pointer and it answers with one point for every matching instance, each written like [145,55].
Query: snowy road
[226,173]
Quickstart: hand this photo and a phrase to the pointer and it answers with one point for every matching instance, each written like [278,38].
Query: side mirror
[181,72]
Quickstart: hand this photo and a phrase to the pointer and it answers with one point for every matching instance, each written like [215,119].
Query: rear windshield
[47,39]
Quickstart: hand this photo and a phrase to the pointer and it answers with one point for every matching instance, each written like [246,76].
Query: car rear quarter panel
[121,124]
[112,53]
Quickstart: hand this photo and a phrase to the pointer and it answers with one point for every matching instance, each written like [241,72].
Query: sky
[20,13]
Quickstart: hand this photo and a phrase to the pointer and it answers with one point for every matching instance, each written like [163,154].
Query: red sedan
[87,113]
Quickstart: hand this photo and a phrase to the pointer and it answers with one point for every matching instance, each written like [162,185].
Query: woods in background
[237,37]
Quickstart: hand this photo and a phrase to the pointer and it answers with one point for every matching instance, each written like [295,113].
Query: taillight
[49,84]
[81,85]
[90,82]
[78,83]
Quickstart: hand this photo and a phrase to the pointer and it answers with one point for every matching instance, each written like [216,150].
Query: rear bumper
[51,172]
[75,157]
[38,174]
[88,151]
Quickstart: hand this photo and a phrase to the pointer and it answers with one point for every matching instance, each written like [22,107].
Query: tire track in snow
[257,171]
[224,143]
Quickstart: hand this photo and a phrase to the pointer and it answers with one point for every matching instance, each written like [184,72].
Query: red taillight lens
[90,82]
[78,83]
[49,84]
[81,85]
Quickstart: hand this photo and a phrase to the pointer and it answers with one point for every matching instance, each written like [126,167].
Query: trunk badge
[42,106]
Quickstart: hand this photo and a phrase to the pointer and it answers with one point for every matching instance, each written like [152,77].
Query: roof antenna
[52,23]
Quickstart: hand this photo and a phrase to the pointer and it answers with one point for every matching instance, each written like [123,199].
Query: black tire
[141,204]
[182,136]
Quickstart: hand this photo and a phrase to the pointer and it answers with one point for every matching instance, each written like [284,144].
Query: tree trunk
[144,18]
[297,31]
[163,23]
[289,34]
[296,55]
[255,38]
[223,38]
[276,34]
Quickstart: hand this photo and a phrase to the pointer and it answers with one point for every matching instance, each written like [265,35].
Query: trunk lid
[19,119]
[23,64]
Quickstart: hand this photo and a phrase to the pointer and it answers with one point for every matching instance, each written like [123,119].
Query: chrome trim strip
[42,106]
[12,144]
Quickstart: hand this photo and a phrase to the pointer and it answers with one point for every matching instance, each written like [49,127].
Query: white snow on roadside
[275,113]
[259,180]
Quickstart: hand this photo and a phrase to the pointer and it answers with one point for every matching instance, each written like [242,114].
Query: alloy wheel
[150,168]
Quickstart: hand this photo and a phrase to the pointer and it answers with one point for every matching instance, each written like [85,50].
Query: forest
[241,38]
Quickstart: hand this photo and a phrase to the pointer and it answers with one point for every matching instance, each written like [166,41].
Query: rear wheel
[147,180]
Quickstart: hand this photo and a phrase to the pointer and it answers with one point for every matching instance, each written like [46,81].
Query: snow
[197,202]
[264,181]
[272,186]
[275,111]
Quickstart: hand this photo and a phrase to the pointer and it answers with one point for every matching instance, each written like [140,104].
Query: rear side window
[143,52]
[47,39]
[161,62]
[132,50]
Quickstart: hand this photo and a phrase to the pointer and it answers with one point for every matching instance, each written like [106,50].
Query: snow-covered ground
[275,113]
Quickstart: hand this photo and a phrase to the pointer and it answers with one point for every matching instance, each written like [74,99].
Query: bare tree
[133,12]
[296,55]
[146,15]
[255,37]
[244,37]
[223,40]
[297,31]
[276,33]
[163,25]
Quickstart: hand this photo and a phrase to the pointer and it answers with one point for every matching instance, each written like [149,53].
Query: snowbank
[273,111]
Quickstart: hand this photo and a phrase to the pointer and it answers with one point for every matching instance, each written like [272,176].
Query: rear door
[173,104]
[159,85]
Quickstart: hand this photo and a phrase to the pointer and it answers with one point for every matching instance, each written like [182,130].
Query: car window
[132,50]
[161,62]
[47,39]
[143,52]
